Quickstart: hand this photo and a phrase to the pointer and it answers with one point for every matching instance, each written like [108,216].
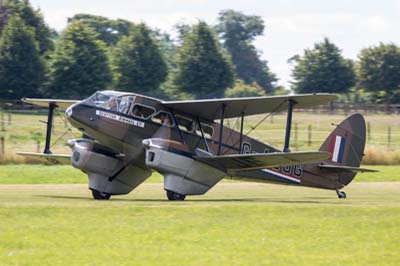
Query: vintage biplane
[127,136]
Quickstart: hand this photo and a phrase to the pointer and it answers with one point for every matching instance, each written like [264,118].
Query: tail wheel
[97,195]
[341,194]
[171,195]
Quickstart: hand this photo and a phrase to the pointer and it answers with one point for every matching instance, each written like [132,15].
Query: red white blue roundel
[336,148]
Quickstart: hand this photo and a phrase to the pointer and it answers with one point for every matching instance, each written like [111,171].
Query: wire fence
[22,127]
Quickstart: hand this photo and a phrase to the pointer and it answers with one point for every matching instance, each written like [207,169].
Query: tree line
[203,61]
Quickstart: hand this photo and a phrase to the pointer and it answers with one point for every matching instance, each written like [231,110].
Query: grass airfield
[234,224]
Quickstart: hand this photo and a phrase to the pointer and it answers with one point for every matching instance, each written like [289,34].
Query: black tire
[97,195]
[341,194]
[171,195]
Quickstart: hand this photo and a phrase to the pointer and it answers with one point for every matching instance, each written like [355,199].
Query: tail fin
[346,143]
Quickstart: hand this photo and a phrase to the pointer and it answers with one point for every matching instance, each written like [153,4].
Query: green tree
[322,69]
[21,68]
[244,90]
[32,18]
[202,67]
[79,65]
[110,31]
[137,62]
[238,31]
[378,71]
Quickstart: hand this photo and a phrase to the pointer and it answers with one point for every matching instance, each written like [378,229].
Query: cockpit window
[125,103]
[110,105]
[99,98]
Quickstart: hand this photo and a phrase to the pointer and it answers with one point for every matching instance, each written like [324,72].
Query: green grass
[234,224]
[47,174]
[44,174]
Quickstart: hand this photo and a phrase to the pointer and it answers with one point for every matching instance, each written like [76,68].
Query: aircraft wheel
[97,195]
[341,194]
[171,195]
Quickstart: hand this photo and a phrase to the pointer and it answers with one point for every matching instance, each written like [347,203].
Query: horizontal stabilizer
[60,104]
[341,168]
[51,158]
[240,162]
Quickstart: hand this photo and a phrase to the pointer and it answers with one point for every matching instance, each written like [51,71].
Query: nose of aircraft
[68,112]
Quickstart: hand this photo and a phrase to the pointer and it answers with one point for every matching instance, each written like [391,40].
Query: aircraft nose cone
[146,143]
[68,112]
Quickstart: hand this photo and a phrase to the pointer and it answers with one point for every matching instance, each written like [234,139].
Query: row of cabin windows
[123,105]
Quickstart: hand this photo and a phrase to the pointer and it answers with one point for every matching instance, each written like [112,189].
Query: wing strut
[177,127]
[202,135]
[291,103]
[52,106]
[241,132]
[221,129]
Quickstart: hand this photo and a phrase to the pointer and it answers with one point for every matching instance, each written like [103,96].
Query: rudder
[346,143]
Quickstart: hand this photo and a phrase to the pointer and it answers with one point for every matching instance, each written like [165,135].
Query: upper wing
[234,107]
[61,104]
[240,162]
[52,158]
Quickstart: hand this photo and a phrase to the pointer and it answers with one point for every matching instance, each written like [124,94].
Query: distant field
[25,132]
[234,224]
[43,174]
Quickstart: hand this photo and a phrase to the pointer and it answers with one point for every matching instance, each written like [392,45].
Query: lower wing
[240,162]
[45,157]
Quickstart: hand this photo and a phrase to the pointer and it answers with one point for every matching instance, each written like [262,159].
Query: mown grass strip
[43,174]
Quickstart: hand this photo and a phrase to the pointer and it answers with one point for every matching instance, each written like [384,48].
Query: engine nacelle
[182,174]
[107,173]
[92,157]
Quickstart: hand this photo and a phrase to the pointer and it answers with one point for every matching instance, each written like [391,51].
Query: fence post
[369,131]
[295,136]
[3,148]
[53,128]
[38,146]
[389,135]
[3,128]
[309,135]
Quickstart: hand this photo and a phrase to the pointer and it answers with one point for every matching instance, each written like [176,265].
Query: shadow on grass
[311,200]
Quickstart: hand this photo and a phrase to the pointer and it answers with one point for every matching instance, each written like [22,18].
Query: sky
[290,26]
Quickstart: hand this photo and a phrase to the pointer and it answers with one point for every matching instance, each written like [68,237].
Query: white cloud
[377,23]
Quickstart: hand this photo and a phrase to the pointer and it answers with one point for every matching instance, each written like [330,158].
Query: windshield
[99,98]
[112,101]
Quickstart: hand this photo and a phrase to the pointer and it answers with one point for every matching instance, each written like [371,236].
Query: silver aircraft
[127,136]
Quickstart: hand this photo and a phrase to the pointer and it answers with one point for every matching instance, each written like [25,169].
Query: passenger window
[184,123]
[163,118]
[142,111]
[208,130]
[124,104]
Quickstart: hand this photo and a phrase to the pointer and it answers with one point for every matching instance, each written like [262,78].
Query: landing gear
[340,194]
[174,195]
[97,195]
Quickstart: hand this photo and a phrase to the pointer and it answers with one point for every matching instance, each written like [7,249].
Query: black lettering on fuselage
[295,170]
